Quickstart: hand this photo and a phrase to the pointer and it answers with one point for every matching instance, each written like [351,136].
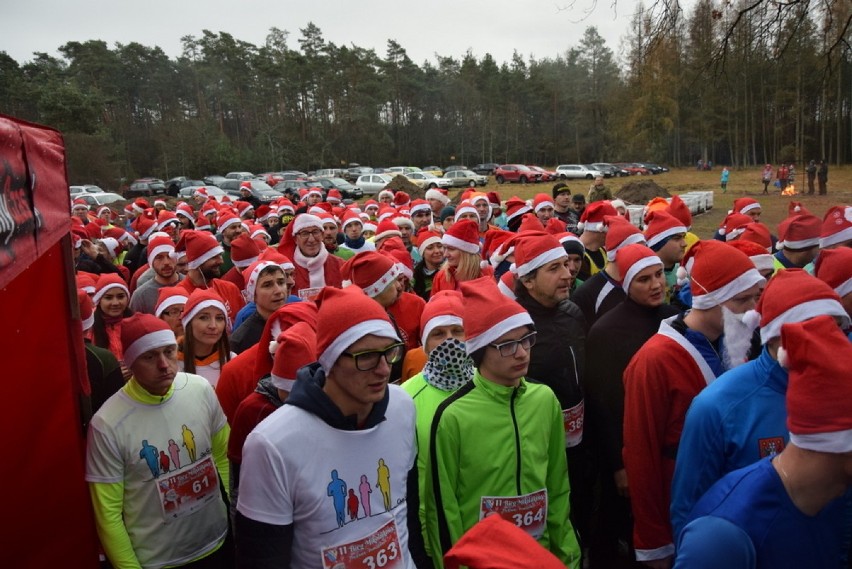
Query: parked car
[173,185]
[290,188]
[96,199]
[427,180]
[434,170]
[214,180]
[355,171]
[486,169]
[329,173]
[85,188]
[404,170]
[146,187]
[214,192]
[259,189]
[239,175]
[576,172]
[633,169]
[610,170]
[546,175]
[347,191]
[466,178]
[653,168]
[373,183]
[455,167]
[516,173]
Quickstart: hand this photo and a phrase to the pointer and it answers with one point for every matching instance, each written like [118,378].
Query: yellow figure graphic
[383,483]
[189,442]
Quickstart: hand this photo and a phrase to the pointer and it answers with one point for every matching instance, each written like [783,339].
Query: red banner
[34,203]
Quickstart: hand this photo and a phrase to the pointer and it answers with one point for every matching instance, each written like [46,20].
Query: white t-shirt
[343,491]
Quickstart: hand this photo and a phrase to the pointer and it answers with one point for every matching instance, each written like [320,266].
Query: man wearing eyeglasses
[497,445]
[542,287]
[324,477]
[315,266]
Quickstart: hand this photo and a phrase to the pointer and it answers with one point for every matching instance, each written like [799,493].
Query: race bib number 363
[378,550]
[528,512]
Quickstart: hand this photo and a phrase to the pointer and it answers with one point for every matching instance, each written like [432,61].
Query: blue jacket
[734,422]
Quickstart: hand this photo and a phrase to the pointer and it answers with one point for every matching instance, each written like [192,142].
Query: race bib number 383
[378,550]
[528,512]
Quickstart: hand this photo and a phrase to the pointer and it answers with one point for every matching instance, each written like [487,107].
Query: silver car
[577,172]
[373,183]
[466,178]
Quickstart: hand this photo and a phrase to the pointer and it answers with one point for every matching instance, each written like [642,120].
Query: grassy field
[743,182]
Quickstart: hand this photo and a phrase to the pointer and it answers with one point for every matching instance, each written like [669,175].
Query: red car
[546,175]
[632,169]
[516,173]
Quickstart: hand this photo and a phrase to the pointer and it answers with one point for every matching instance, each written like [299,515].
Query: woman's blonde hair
[467,270]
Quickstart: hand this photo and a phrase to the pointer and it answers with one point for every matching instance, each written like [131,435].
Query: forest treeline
[774,93]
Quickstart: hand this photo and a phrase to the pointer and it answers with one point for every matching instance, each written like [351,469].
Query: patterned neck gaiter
[448,367]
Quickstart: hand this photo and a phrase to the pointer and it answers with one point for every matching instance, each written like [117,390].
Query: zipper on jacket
[517,441]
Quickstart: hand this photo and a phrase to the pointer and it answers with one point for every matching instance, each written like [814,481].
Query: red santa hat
[536,251]
[419,205]
[285,205]
[758,233]
[593,216]
[488,314]
[799,232]
[661,226]
[734,225]
[425,238]
[401,220]
[334,196]
[678,208]
[620,233]
[262,213]
[200,247]
[244,251]
[515,206]
[112,246]
[87,282]
[210,207]
[105,209]
[345,316]
[306,221]
[496,247]
[463,235]
[200,299]
[555,226]
[719,273]
[281,320]
[79,203]
[438,194]
[445,308]
[226,219]
[371,227]
[819,394]
[144,332]
[542,200]
[143,226]
[745,205]
[387,228]
[796,208]
[350,217]
[169,296]
[834,267]
[166,218]
[371,271]
[185,210]
[836,226]
[530,223]
[200,193]
[106,282]
[140,205]
[160,244]
[385,212]
[296,348]
[203,224]
[243,208]
[793,295]
[395,249]
[762,259]
[252,274]
[401,199]
[494,543]
[463,208]
[270,254]
[631,259]
[159,201]
[87,309]
[506,285]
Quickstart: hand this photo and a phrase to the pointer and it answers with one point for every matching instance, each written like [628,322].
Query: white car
[214,192]
[98,199]
[239,175]
[577,172]
[85,188]
[427,180]
[373,183]
[404,170]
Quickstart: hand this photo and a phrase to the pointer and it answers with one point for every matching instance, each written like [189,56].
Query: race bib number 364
[379,550]
[528,512]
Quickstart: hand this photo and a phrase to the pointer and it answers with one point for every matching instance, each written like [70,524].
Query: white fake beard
[736,341]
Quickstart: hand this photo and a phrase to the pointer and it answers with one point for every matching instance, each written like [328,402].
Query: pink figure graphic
[365,489]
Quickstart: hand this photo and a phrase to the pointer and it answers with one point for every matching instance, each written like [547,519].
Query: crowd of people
[338,385]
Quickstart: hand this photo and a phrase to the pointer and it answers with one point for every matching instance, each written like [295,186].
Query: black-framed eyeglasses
[508,349]
[369,359]
[304,234]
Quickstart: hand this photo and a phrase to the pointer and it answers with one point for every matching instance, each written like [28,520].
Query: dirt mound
[400,182]
[641,192]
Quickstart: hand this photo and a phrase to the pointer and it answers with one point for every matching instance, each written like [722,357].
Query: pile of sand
[400,182]
[641,192]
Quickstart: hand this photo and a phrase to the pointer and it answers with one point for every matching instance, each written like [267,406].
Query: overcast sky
[540,28]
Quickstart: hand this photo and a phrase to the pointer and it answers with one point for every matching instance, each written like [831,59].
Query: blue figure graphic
[337,490]
[151,456]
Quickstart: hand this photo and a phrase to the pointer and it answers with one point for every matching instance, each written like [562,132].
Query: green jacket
[427,399]
[489,440]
